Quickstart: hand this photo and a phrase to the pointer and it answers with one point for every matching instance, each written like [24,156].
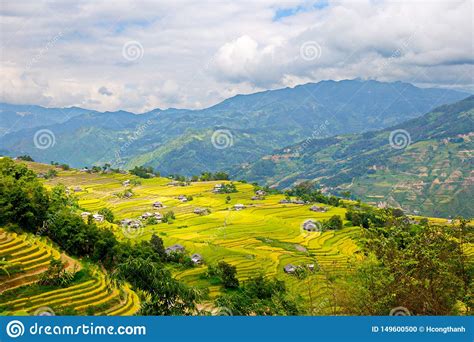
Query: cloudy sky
[139,55]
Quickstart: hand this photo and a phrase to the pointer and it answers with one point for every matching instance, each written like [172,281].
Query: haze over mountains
[179,141]
[252,127]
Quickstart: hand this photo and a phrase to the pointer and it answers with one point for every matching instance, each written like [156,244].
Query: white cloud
[196,54]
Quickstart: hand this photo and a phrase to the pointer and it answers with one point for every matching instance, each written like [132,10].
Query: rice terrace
[260,232]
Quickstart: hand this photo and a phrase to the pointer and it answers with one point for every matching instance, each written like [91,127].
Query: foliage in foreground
[420,267]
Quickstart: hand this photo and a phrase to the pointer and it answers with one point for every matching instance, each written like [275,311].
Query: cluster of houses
[179,249]
[291,269]
[259,195]
[178,183]
[311,226]
[131,223]
[156,215]
[318,209]
[285,201]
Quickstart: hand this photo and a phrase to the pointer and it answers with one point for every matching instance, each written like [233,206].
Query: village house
[175,249]
[239,206]
[182,198]
[158,205]
[98,217]
[217,188]
[196,259]
[158,216]
[318,209]
[146,215]
[311,226]
[260,193]
[310,267]
[200,211]
[131,223]
[77,189]
[284,201]
[256,198]
[126,182]
[298,202]
[85,214]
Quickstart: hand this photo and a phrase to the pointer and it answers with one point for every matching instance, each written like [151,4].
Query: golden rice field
[28,256]
[260,239]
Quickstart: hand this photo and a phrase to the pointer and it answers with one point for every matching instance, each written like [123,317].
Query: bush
[108,214]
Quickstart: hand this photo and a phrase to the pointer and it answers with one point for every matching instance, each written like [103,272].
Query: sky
[141,55]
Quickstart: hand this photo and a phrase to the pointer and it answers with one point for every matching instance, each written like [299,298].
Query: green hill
[432,175]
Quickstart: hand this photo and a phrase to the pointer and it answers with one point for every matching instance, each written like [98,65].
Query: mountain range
[233,135]
[422,165]
[179,140]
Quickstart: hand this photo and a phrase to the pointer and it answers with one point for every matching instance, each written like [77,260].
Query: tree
[259,296]
[108,214]
[228,274]
[334,223]
[158,246]
[142,171]
[417,267]
[164,295]
[56,274]
[168,217]
[25,157]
